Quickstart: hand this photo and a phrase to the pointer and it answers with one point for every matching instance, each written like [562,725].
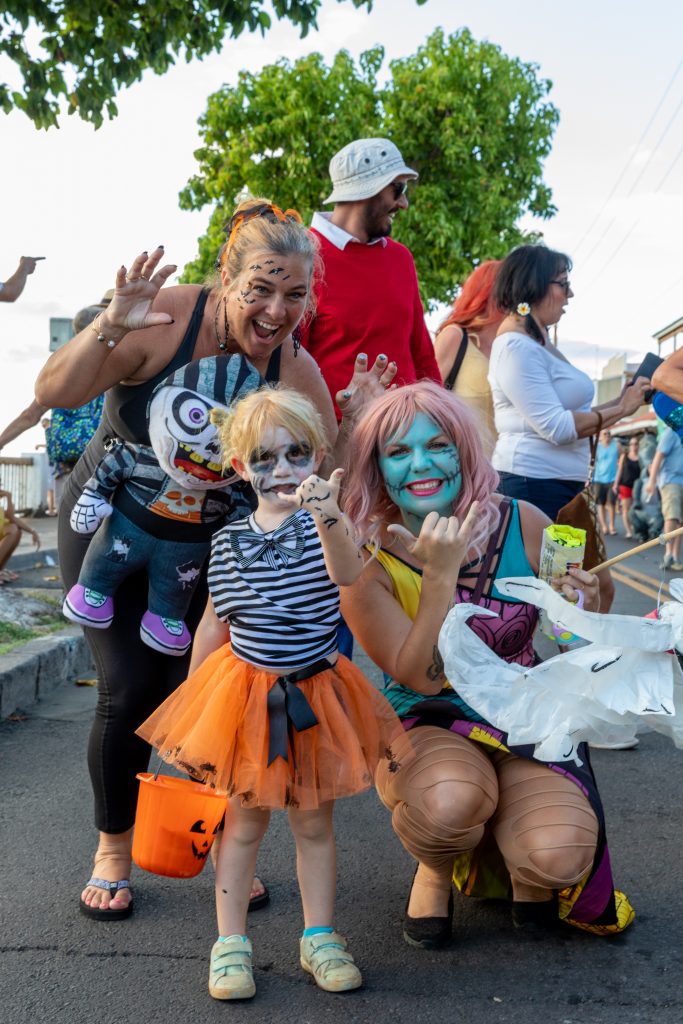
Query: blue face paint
[421,471]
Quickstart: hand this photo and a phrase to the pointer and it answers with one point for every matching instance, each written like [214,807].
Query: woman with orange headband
[264,289]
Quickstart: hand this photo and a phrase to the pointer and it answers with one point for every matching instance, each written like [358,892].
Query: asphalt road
[60,967]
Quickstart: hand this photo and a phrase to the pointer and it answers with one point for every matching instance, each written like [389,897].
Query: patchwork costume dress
[300,739]
[592,904]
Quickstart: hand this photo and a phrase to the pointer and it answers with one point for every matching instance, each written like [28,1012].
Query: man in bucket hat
[368,299]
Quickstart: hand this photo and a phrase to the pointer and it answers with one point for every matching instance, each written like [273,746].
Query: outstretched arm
[24,421]
[14,285]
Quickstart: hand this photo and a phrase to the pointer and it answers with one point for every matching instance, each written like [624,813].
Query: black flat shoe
[429,932]
[535,917]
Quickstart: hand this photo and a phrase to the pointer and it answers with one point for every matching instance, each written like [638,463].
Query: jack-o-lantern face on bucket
[200,847]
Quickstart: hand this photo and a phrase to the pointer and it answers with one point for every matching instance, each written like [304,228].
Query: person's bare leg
[625,506]
[610,515]
[601,519]
[316,863]
[113,862]
[245,828]
[9,543]
[257,886]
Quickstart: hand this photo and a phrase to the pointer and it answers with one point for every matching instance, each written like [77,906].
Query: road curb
[32,672]
[33,559]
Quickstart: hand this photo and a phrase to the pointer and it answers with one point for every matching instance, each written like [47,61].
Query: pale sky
[90,200]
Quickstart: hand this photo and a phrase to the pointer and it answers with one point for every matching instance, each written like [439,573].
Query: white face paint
[279,465]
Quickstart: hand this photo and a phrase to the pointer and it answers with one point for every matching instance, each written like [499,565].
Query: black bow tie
[286,546]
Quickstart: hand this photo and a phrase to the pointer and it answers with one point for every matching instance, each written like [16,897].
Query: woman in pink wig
[469,808]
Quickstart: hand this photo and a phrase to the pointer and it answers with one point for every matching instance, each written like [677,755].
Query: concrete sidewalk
[33,671]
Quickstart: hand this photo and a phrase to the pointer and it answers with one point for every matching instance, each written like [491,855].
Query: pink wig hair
[366,501]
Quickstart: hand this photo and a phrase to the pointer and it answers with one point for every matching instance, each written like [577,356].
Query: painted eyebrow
[257,279]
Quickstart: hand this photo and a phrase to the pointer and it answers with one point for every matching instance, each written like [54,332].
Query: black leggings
[132,681]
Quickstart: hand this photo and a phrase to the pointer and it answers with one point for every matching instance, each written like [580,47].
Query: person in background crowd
[666,473]
[628,472]
[367,299]
[11,529]
[51,505]
[463,346]
[11,289]
[542,404]
[604,476]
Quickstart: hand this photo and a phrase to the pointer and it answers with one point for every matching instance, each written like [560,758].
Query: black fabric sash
[288,708]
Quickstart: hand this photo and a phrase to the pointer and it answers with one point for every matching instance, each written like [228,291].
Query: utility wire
[630,159]
[671,167]
[653,151]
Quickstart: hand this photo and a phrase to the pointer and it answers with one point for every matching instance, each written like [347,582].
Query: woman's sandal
[104,913]
[260,901]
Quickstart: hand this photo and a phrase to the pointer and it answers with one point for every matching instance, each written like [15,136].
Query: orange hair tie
[260,211]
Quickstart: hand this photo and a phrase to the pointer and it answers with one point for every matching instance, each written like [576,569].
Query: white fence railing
[26,480]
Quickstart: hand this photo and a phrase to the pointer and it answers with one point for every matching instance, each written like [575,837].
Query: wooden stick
[662,539]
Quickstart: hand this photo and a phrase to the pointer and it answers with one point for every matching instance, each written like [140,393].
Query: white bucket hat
[363,168]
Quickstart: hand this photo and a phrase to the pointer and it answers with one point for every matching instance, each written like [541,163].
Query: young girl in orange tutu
[273,715]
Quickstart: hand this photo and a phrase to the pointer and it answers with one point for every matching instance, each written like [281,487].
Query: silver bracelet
[101,337]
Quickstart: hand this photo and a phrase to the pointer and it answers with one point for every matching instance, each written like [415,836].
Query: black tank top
[125,405]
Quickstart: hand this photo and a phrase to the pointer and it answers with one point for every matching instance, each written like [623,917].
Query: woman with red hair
[463,344]
[469,807]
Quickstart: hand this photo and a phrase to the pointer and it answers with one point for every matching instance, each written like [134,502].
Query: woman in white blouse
[542,404]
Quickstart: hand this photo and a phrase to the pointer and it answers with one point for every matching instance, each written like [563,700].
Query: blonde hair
[258,226]
[241,428]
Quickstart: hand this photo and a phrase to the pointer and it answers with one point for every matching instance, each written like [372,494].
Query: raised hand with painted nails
[365,384]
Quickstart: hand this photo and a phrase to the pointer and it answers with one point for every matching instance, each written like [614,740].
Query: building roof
[666,332]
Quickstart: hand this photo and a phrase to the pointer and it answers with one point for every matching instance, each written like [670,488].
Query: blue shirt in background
[671,470]
[606,462]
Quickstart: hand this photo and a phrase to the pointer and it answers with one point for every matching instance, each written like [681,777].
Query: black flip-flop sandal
[102,913]
[260,901]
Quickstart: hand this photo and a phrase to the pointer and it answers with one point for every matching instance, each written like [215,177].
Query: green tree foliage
[86,50]
[474,122]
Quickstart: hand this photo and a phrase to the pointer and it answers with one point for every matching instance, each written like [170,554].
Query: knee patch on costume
[428,840]
[546,831]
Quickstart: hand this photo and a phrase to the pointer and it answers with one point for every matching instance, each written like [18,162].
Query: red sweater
[368,301]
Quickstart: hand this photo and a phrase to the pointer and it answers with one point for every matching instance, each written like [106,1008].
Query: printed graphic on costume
[120,549]
[188,573]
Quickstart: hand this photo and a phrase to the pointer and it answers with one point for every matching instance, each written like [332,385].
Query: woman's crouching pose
[468,807]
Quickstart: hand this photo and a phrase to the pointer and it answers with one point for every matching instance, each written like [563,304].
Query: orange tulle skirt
[216,728]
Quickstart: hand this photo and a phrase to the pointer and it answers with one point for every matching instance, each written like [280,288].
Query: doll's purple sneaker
[88,607]
[169,636]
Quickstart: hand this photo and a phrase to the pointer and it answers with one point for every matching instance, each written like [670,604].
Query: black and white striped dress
[274,591]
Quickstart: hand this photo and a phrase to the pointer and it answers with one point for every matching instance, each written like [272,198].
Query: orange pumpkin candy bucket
[175,825]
